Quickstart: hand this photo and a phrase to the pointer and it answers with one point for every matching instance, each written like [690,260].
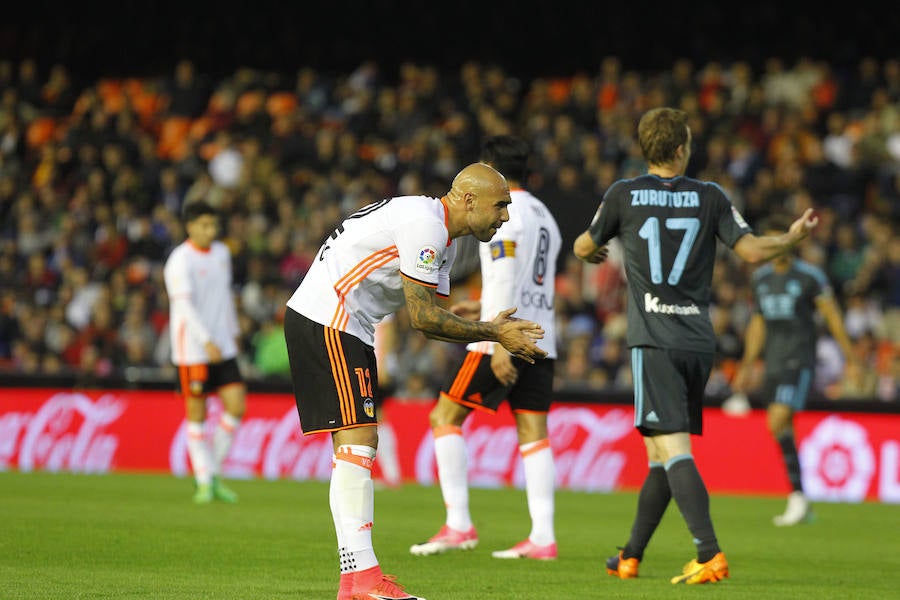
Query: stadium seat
[40,131]
[172,137]
[249,103]
[559,90]
[145,100]
[281,103]
[111,95]
[200,128]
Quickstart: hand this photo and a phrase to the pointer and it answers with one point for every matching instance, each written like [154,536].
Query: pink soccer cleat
[372,584]
[445,540]
[527,549]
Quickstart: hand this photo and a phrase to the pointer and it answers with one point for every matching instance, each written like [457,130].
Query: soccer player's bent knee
[360,436]
[434,417]
[446,412]
[530,432]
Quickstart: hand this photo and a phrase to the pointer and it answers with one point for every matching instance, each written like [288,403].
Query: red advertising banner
[847,457]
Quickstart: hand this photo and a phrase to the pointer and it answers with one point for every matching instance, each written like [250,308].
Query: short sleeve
[731,226]
[443,286]
[423,249]
[606,222]
[175,274]
[818,282]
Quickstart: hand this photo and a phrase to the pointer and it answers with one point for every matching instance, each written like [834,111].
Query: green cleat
[204,494]
[222,492]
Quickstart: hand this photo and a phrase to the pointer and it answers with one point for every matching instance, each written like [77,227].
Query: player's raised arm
[754,249]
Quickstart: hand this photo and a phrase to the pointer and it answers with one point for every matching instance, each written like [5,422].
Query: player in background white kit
[203,328]
[518,268]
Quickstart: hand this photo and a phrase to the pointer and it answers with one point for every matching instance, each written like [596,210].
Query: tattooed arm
[439,324]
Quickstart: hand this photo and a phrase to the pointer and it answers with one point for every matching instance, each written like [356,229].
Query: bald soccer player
[392,253]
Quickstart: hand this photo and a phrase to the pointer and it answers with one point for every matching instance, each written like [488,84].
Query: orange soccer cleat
[715,569]
[621,567]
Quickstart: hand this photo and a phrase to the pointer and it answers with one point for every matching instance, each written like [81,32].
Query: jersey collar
[661,178]
[446,218]
[198,248]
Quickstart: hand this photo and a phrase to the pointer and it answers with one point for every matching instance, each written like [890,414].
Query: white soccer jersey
[355,280]
[518,268]
[201,304]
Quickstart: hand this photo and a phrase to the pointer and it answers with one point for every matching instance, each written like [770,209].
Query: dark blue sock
[791,460]
[652,502]
[692,498]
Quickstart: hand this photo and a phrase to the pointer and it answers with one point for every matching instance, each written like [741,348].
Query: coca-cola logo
[583,446]
[583,441]
[272,447]
[67,433]
[838,461]
[292,454]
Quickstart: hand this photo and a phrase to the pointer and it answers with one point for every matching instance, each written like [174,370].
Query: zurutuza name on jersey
[687,199]
[653,305]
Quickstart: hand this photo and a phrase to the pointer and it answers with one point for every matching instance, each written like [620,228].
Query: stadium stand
[92,176]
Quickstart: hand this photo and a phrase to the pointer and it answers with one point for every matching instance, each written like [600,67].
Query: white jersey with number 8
[518,268]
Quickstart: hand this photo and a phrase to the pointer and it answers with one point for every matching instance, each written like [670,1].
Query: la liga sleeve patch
[427,260]
[739,219]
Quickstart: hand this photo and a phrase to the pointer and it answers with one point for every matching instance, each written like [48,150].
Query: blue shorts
[669,388]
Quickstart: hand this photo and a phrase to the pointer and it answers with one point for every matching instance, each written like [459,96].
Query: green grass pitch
[129,536]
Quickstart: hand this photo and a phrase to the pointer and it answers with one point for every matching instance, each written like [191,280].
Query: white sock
[453,472]
[540,482]
[198,450]
[352,501]
[223,437]
[387,454]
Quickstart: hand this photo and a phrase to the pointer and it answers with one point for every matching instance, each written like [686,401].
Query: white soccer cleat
[445,540]
[528,549]
[799,510]
[736,405]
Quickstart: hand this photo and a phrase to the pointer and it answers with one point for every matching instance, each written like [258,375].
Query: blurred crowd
[93,175]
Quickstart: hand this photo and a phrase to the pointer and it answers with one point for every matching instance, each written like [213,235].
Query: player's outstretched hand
[802,226]
[518,336]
